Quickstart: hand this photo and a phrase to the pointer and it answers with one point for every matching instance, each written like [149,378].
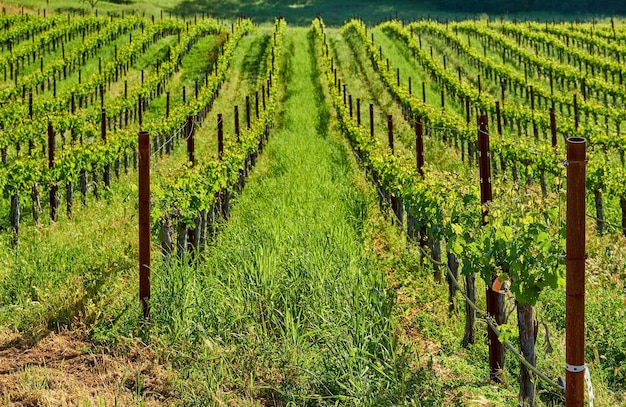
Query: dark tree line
[604,7]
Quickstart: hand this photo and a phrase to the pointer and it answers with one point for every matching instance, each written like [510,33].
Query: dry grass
[63,369]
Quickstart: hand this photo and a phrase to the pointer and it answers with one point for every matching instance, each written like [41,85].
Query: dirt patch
[63,369]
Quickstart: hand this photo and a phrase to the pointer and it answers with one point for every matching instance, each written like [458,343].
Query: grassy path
[288,306]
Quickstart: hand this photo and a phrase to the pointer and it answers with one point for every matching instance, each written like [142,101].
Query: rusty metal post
[424,92]
[256,103]
[190,141]
[575,272]
[358,111]
[553,126]
[390,132]
[372,121]
[484,165]
[496,354]
[467,110]
[419,144]
[144,222]
[54,188]
[410,87]
[220,135]
[237,122]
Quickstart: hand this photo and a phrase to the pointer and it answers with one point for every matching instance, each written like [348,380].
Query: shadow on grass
[299,12]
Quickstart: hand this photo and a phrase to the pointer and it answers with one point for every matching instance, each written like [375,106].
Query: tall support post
[496,354]
[144,222]
[575,273]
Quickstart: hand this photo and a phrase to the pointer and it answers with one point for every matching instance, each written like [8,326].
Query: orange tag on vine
[497,286]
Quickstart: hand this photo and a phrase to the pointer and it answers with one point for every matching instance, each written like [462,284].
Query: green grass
[287,307]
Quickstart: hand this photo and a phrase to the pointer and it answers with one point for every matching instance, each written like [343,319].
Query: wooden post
[263,96]
[553,126]
[372,121]
[248,111]
[498,118]
[190,141]
[358,111]
[390,132]
[54,202]
[575,273]
[220,135]
[575,113]
[350,104]
[103,131]
[139,108]
[144,222]
[496,354]
[237,122]
[419,145]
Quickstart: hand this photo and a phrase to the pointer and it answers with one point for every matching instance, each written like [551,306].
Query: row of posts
[576,176]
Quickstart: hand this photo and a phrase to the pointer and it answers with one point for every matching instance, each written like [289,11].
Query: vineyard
[207,212]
